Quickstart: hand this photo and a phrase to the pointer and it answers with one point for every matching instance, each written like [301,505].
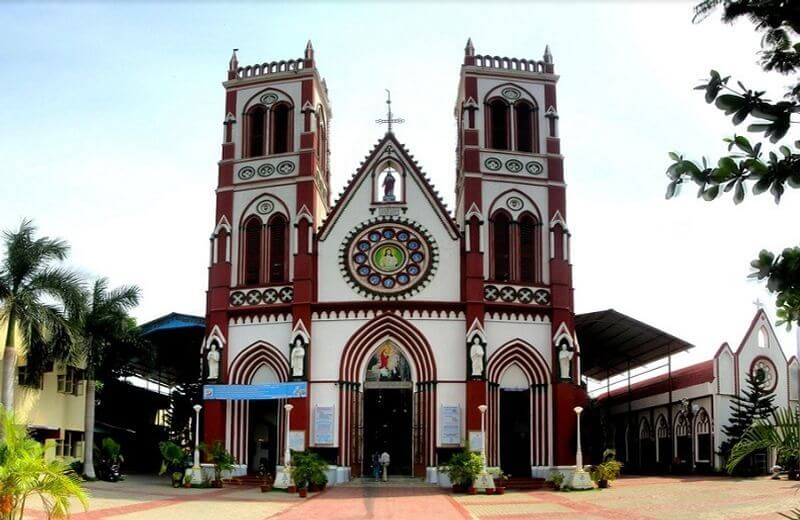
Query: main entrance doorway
[388,410]
[515,431]
[263,445]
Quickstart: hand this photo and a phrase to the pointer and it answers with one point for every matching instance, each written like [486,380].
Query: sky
[111,124]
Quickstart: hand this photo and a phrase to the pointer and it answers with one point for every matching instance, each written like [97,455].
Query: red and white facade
[474,303]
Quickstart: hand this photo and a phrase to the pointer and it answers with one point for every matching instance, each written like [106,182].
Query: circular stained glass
[764,370]
[390,257]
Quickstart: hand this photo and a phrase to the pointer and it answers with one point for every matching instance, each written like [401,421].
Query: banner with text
[255,392]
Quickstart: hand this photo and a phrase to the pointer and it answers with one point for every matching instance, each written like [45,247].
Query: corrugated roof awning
[612,342]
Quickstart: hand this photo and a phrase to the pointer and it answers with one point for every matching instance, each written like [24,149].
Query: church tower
[511,206]
[272,193]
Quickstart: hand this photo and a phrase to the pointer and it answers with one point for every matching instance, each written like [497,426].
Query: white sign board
[451,426]
[323,425]
[475,440]
[297,440]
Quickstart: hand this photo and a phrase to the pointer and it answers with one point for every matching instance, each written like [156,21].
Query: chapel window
[281,128]
[501,227]
[528,251]
[277,249]
[523,114]
[252,251]
[498,125]
[763,338]
[256,131]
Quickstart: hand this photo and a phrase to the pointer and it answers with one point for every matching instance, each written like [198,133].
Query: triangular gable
[753,328]
[416,175]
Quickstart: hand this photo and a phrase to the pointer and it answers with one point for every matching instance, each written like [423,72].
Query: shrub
[463,468]
[222,459]
[606,471]
[557,478]
[308,468]
[174,459]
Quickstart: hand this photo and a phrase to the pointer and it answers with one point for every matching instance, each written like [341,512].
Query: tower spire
[469,50]
[389,119]
[233,64]
[548,58]
[309,51]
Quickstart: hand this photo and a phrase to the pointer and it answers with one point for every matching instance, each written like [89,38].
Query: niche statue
[476,352]
[298,356]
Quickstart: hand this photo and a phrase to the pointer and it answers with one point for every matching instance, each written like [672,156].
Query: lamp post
[197,472]
[283,479]
[690,411]
[578,452]
[484,480]
[580,478]
[287,454]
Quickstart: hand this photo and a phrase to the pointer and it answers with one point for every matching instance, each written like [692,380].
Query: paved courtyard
[630,498]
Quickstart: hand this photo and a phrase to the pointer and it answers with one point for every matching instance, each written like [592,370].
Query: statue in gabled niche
[212,361]
[298,356]
[388,186]
[477,356]
[565,355]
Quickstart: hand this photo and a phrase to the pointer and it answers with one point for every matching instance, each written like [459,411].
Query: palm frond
[781,433]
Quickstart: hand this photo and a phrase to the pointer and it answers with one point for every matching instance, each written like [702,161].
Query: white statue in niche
[565,360]
[298,356]
[212,360]
[476,355]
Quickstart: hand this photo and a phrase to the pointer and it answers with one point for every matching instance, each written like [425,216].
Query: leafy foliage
[25,474]
[308,468]
[464,467]
[222,459]
[748,163]
[780,433]
[173,458]
[756,403]
[608,470]
[557,478]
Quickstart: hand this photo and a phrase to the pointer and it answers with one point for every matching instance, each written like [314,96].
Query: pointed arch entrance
[256,430]
[387,352]
[519,407]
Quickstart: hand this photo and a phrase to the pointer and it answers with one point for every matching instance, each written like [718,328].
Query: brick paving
[655,498]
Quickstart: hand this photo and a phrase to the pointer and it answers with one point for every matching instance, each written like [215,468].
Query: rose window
[764,370]
[388,258]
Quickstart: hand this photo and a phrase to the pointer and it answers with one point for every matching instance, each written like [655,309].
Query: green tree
[34,295]
[779,432]
[749,163]
[755,404]
[25,474]
[104,327]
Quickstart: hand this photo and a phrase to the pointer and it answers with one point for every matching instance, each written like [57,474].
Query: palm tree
[781,434]
[33,297]
[24,474]
[102,323]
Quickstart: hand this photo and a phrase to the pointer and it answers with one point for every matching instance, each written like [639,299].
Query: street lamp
[287,454]
[580,478]
[484,480]
[283,479]
[197,472]
[578,452]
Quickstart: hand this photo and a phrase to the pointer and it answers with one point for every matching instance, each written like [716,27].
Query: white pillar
[484,480]
[580,479]
[578,452]
[287,454]
[197,472]
[283,479]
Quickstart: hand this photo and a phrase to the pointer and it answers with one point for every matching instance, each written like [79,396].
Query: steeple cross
[389,120]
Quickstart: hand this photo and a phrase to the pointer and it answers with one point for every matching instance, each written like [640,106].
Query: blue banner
[255,392]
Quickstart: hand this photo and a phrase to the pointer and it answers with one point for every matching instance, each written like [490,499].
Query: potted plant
[500,480]
[109,458]
[605,472]
[556,479]
[174,461]
[463,468]
[308,470]
[266,483]
[222,459]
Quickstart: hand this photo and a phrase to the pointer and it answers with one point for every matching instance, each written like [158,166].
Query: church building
[399,316]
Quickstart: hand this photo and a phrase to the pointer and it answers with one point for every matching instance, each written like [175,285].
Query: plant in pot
[463,468]
[174,461]
[109,458]
[308,470]
[605,472]
[500,481]
[556,479]
[222,459]
[187,480]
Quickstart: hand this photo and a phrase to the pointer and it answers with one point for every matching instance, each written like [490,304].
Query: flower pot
[291,489]
[490,491]
[187,485]
[458,488]
[500,490]
[472,490]
[303,492]
[266,487]
[602,484]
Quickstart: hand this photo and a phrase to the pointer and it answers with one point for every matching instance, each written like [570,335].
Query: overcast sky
[112,121]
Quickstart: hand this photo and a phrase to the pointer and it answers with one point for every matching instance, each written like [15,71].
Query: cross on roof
[758,303]
[389,120]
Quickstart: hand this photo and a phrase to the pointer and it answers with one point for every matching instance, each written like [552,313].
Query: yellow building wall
[45,408]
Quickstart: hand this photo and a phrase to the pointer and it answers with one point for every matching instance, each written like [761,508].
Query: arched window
[763,337]
[252,251]
[528,260]
[501,250]
[281,131]
[523,114]
[498,125]
[277,249]
[256,128]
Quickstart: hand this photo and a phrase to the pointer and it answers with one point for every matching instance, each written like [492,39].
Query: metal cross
[389,120]
[758,303]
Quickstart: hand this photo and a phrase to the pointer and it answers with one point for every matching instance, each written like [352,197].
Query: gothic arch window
[499,125]
[277,248]
[525,124]
[528,249]
[501,247]
[280,128]
[703,441]
[322,143]
[763,337]
[256,131]
[252,251]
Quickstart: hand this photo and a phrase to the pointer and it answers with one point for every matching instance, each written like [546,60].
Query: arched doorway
[519,409]
[647,449]
[262,426]
[388,409]
[358,358]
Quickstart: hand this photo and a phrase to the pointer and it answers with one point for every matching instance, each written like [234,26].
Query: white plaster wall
[328,338]
[726,373]
[444,285]
[242,336]
[242,199]
[691,392]
[539,196]
[500,332]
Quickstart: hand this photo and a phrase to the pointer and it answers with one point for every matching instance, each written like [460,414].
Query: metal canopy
[612,342]
[175,341]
